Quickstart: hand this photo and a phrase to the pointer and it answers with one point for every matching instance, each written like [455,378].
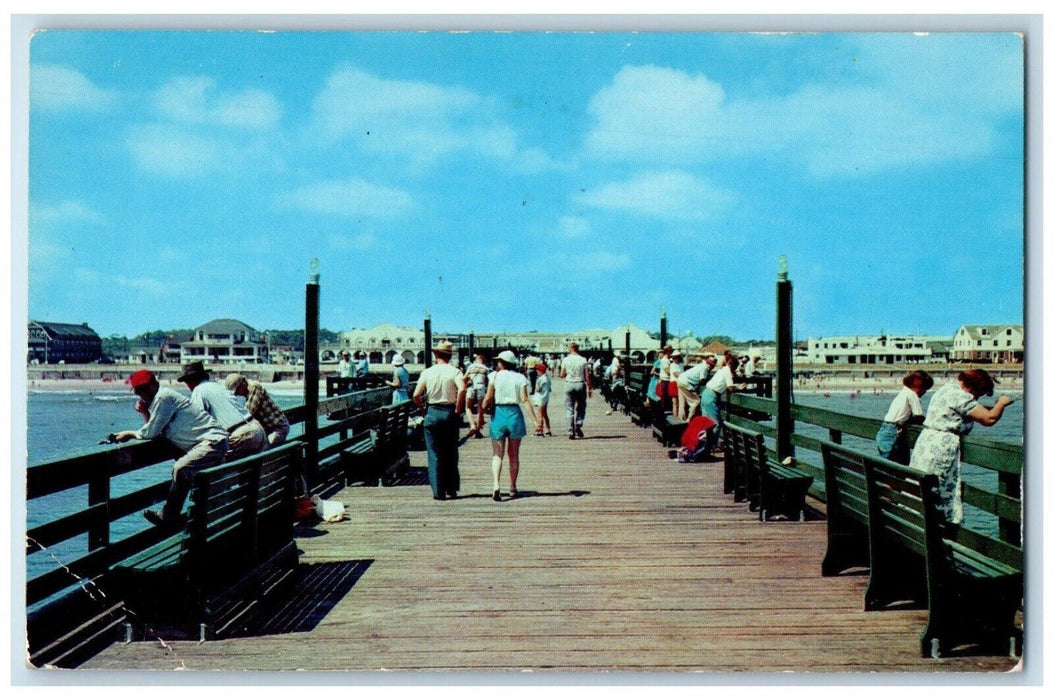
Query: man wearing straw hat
[247,436]
[443,387]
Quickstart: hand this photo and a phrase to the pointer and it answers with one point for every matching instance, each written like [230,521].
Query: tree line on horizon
[115,343]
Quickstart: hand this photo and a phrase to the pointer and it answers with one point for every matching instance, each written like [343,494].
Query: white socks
[495,468]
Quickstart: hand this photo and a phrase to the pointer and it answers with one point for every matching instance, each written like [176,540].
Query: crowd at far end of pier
[212,425]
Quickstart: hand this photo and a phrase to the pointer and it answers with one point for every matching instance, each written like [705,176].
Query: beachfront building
[870,349]
[62,343]
[383,342]
[224,341]
[1003,343]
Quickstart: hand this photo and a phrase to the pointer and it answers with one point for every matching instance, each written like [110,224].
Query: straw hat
[444,348]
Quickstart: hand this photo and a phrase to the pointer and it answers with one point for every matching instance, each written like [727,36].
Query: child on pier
[892,437]
[540,398]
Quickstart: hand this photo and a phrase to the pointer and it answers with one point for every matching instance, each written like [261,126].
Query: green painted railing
[56,596]
[1005,460]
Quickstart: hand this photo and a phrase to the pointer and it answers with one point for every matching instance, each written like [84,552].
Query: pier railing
[996,492]
[66,609]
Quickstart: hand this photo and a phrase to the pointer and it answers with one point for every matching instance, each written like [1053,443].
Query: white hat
[398,360]
[508,357]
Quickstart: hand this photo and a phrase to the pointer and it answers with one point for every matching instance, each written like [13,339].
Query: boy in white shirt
[892,437]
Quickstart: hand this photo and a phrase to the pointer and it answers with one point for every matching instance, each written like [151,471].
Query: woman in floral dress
[951,414]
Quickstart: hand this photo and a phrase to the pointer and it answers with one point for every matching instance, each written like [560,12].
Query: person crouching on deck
[507,391]
[892,438]
[187,426]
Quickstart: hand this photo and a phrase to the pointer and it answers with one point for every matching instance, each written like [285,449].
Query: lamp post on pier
[428,338]
[784,361]
[662,328]
[311,297]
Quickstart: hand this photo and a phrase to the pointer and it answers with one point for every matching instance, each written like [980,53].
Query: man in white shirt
[187,426]
[443,386]
[247,436]
[577,387]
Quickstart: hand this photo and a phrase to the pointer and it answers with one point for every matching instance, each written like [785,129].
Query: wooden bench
[671,431]
[846,496]
[381,455]
[235,548]
[775,490]
[972,598]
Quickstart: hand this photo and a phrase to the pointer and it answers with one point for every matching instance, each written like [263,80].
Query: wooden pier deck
[614,558]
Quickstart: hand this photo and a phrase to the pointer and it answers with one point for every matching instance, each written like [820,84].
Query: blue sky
[517,181]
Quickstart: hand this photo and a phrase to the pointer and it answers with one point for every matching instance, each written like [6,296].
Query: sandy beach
[827,384]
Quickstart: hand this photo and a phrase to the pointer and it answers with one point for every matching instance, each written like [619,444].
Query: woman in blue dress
[400,380]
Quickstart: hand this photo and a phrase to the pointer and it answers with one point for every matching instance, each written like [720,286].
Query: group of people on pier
[444,393]
[952,412]
[209,427]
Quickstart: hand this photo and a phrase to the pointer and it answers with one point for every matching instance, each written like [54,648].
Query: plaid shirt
[264,409]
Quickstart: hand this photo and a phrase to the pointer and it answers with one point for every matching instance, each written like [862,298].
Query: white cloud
[574,227]
[186,151]
[195,100]
[351,198]
[670,195]
[357,243]
[57,88]
[163,149]
[604,261]
[912,100]
[147,285]
[418,120]
[65,214]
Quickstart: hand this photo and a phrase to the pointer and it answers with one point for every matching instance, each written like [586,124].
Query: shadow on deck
[318,589]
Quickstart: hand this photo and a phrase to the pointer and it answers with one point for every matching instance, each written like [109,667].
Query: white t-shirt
[574,367]
[442,383]
[905,405]
[508,386]
[721,380]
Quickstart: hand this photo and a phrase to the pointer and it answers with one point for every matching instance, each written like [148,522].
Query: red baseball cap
[141,378]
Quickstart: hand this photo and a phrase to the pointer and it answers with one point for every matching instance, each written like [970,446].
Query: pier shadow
[603,437]
[317,589]
[544,494]
[414,476]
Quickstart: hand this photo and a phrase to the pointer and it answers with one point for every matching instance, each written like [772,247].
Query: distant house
[1003,343]
[66,343]
[870,349]
[224,341]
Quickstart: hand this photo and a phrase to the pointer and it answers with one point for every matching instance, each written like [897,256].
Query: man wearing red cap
[189,428]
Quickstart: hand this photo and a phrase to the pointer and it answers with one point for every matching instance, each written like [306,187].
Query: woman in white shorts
[507,392]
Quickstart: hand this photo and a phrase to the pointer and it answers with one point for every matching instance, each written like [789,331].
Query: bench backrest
[392,428]
[746,450]
[898,500]
[845,483]
[241,513]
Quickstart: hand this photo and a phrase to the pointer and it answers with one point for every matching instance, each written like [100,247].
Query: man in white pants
[577,387]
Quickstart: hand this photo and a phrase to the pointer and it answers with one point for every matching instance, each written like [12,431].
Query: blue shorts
[507,423]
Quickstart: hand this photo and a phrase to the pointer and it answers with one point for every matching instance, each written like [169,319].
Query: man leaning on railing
[187,426]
